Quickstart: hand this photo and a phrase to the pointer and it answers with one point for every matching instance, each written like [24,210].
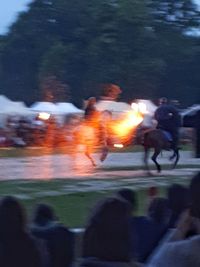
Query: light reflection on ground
[79,167]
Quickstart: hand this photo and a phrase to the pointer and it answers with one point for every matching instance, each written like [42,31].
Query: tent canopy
[113,106]
[9,107]
[150,106]
[48,107]
[55,109]
[66,108]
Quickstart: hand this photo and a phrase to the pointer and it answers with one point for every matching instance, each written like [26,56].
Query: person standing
[91,113]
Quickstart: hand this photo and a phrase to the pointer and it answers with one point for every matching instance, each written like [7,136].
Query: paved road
[64,166]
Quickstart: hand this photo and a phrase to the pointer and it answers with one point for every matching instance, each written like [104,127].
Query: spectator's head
[178,197]
[128,195]
[43,215]
[158,210]
[195,195]
[12,217]
[107,234]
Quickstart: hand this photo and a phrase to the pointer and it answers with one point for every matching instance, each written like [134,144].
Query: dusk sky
[9,10]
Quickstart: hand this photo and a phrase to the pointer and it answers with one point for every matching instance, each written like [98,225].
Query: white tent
[9,107]
[113,106]
[68,108]
[150,106]
[48,107]
[4,99]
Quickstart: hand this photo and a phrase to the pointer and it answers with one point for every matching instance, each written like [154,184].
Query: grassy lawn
[72,200]
[40,151]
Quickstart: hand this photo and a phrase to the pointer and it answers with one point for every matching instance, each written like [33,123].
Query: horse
[91,138]
[157,140]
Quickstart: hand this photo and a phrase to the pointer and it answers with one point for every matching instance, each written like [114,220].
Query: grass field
[40,151]
[73,200]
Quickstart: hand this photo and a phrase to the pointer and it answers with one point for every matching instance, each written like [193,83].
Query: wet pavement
[68,167]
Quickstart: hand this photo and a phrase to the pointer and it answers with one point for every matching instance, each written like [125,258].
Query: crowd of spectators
[26,132]
[114,236]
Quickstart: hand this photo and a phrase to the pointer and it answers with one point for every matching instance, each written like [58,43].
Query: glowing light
[44,116]
[124,128]
[134,106]
[118,145]
[142,108]
[139,107]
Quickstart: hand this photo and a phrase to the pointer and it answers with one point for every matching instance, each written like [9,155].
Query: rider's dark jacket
[168,119]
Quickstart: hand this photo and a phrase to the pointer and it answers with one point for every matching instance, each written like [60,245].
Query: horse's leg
[154,157]
[104,153]
[88,155]
[146,156]
[177,155]
[173,155]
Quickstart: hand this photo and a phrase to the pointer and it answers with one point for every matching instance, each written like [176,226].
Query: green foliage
[140,45]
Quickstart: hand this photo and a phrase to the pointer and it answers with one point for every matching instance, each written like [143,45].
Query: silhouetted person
[91,113]
[168,119]
[59,239]
[178,199]
[106,241]
[146,231]
[181,249]
[17,247]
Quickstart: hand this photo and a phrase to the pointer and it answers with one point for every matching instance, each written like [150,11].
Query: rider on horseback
[169,120]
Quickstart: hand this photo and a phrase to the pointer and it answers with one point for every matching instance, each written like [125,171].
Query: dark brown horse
[156,139]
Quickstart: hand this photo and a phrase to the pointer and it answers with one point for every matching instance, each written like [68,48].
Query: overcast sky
[9,10]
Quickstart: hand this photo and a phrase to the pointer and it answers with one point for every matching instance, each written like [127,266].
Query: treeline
[63,50]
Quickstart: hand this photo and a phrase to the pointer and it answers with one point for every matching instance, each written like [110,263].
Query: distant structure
[197,127]
[191,118]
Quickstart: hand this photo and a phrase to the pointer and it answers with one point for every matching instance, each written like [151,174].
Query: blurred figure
[169,120]
[152,193]
[146,231]
[159,211]
[90,129]
[105,134]
[178,198]
[197,134]
[58,238]
[106,241]
[181,249]
[91,113]
[51,132]
[17,247]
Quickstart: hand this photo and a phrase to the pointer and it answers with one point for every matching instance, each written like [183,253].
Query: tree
[53,90]
[143,46]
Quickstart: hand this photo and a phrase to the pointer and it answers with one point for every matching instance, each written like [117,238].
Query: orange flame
[124,128]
